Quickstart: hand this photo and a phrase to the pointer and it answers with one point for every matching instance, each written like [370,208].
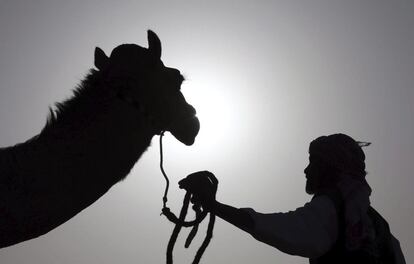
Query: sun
[216,112]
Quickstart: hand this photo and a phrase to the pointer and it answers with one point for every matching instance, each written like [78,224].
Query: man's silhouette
[337,226]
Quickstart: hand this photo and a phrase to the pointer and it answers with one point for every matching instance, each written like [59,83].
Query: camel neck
[90,143]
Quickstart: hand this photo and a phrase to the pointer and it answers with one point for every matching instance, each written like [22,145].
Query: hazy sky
[266,78]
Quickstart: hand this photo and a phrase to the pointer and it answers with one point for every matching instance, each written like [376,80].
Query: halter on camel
[180,221]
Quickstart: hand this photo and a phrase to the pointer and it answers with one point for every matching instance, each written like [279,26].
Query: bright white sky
[266,78]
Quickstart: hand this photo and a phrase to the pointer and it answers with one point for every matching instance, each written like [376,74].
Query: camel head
[141,78]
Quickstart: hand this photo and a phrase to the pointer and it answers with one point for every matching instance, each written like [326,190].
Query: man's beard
[309,188]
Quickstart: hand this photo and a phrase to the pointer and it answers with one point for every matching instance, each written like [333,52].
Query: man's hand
[203,186]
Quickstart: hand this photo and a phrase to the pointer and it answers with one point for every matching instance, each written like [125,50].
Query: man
[337,226]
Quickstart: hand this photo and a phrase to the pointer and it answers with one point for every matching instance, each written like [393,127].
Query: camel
[92,140]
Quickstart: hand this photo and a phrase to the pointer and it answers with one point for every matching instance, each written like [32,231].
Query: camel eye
[175,77]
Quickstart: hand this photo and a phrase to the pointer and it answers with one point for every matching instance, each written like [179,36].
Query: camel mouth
[186,130]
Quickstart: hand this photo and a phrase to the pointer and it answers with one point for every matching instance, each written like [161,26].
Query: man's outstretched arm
[308,231]
[232,215]
[203,185]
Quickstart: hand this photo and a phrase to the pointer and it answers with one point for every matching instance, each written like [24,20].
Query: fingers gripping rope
[180,221]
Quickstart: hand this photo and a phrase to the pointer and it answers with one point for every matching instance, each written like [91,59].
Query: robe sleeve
[309,231]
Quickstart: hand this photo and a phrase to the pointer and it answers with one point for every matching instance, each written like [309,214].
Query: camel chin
[186,130]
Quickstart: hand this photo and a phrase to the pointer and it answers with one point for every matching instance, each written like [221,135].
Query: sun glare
[215,111]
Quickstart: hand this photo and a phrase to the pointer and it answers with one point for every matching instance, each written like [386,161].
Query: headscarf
[346,157]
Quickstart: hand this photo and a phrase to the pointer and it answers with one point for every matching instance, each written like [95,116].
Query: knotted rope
[180,221]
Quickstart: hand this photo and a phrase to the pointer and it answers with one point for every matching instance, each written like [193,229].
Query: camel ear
[101,60]
[154,44]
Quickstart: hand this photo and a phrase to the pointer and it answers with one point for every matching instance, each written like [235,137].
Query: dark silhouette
[337,226]
[92,140]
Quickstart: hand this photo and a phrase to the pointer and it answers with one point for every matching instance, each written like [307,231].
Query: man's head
[332,156]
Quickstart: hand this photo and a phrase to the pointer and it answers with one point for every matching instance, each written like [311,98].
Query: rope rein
[180,221]
[167,185]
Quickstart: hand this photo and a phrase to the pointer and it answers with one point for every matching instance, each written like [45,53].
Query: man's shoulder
[332,197]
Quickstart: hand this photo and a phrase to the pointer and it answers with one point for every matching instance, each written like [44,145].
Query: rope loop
[180,221]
